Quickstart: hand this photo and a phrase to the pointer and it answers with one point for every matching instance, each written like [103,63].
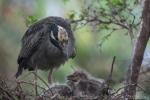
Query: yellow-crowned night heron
[46,45]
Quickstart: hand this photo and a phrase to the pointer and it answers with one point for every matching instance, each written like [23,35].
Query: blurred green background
[90,56]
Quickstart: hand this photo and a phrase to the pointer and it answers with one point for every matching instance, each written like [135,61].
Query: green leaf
[71,15]
[30,20]
[117,2]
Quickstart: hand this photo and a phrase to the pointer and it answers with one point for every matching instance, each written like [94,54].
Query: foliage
[30,20]
[110,15]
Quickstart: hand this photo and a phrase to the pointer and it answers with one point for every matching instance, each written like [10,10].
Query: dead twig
[24,82]
[41,79]
[111,71]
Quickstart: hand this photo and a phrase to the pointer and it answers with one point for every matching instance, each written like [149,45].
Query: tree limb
[138,52]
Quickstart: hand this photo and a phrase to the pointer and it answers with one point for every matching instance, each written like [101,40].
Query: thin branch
[41,79]
[10,96]
[24,82]
[35,81]
[111,71]
[105,38]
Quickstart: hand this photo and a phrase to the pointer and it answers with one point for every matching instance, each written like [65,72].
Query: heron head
[59,37]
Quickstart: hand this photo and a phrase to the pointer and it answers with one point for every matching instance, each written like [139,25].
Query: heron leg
[50,76]
[35,81]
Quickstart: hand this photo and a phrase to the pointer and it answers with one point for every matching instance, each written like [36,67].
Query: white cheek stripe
[52,35]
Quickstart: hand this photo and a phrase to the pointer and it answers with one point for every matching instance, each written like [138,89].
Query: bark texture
[139,49]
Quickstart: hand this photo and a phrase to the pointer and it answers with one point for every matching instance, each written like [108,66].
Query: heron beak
[63,40]
[65,51]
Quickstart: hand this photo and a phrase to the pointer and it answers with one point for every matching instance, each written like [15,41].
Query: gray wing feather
[30,42]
